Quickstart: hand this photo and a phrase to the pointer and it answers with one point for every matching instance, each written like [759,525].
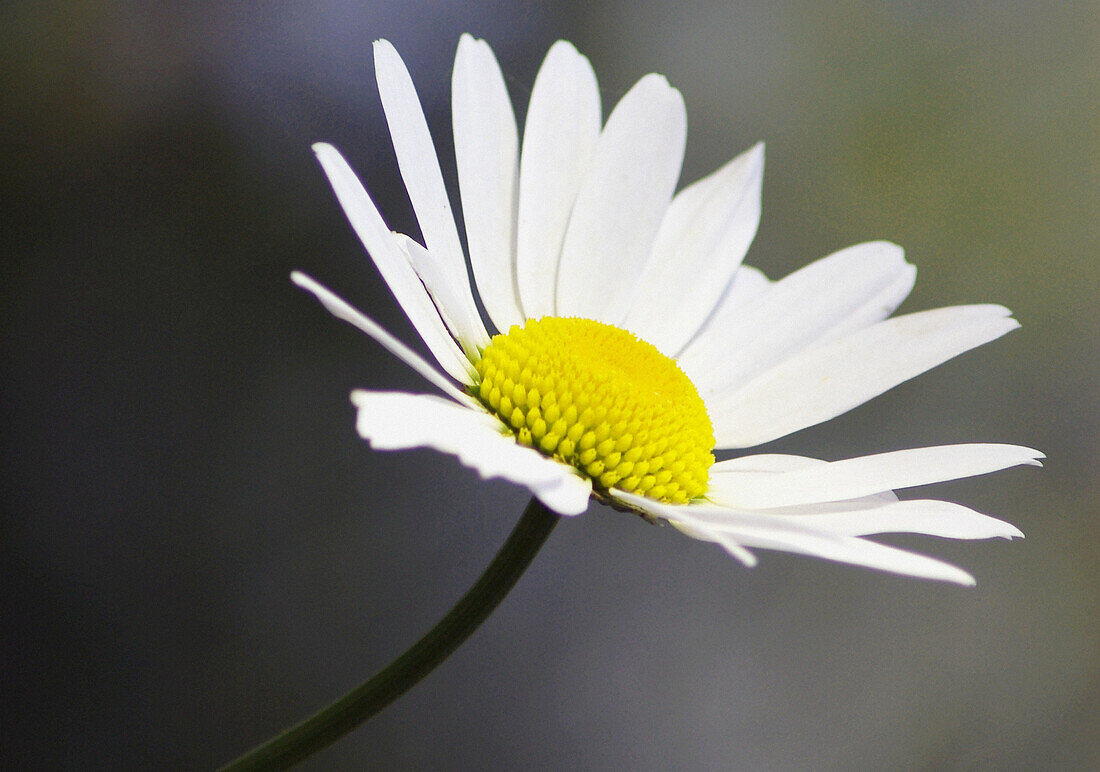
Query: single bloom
[633,343]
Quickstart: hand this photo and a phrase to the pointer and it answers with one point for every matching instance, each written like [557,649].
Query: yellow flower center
[598,398]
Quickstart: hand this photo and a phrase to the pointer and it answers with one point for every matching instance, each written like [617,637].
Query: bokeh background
[197,550]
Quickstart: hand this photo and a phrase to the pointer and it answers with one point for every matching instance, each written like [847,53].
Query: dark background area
[198,551]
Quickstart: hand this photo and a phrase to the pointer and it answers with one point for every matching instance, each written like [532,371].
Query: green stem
[355,707]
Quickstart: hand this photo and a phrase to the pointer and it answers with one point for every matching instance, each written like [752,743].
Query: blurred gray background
[198,551]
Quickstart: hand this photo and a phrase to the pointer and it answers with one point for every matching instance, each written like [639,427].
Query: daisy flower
[631,341]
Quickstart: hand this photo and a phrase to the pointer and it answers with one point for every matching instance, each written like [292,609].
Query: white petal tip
[467,44]
[985,311]
[942,572]
[744,557]
[385,55]
[331,160]
[946,573]
[892,247]
[1002,530]
[570,506]
[1031,457]
[563,45]
[999,529]
[657,82]
[311,285]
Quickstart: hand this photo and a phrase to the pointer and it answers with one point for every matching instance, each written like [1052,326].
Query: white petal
[795,312]
[455,304]
[736,530]
[748,283]
[879,307]
[620,204]
[763,462]
[419,166]
[738,552]
[743,488]
[392,264]
[559,136]
[849,549]
[923,516]
[834,376]
[726,480]
[397,421]
[487,154]
[339,308]
[702,239]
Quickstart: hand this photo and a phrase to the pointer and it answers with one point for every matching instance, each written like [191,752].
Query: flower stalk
[333,722]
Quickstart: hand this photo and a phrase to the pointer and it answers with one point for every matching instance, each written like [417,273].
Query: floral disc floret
[598,398]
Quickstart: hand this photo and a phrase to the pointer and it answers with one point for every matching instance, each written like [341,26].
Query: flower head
[631,341]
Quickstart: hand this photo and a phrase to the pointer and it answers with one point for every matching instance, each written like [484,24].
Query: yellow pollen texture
[598,398]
